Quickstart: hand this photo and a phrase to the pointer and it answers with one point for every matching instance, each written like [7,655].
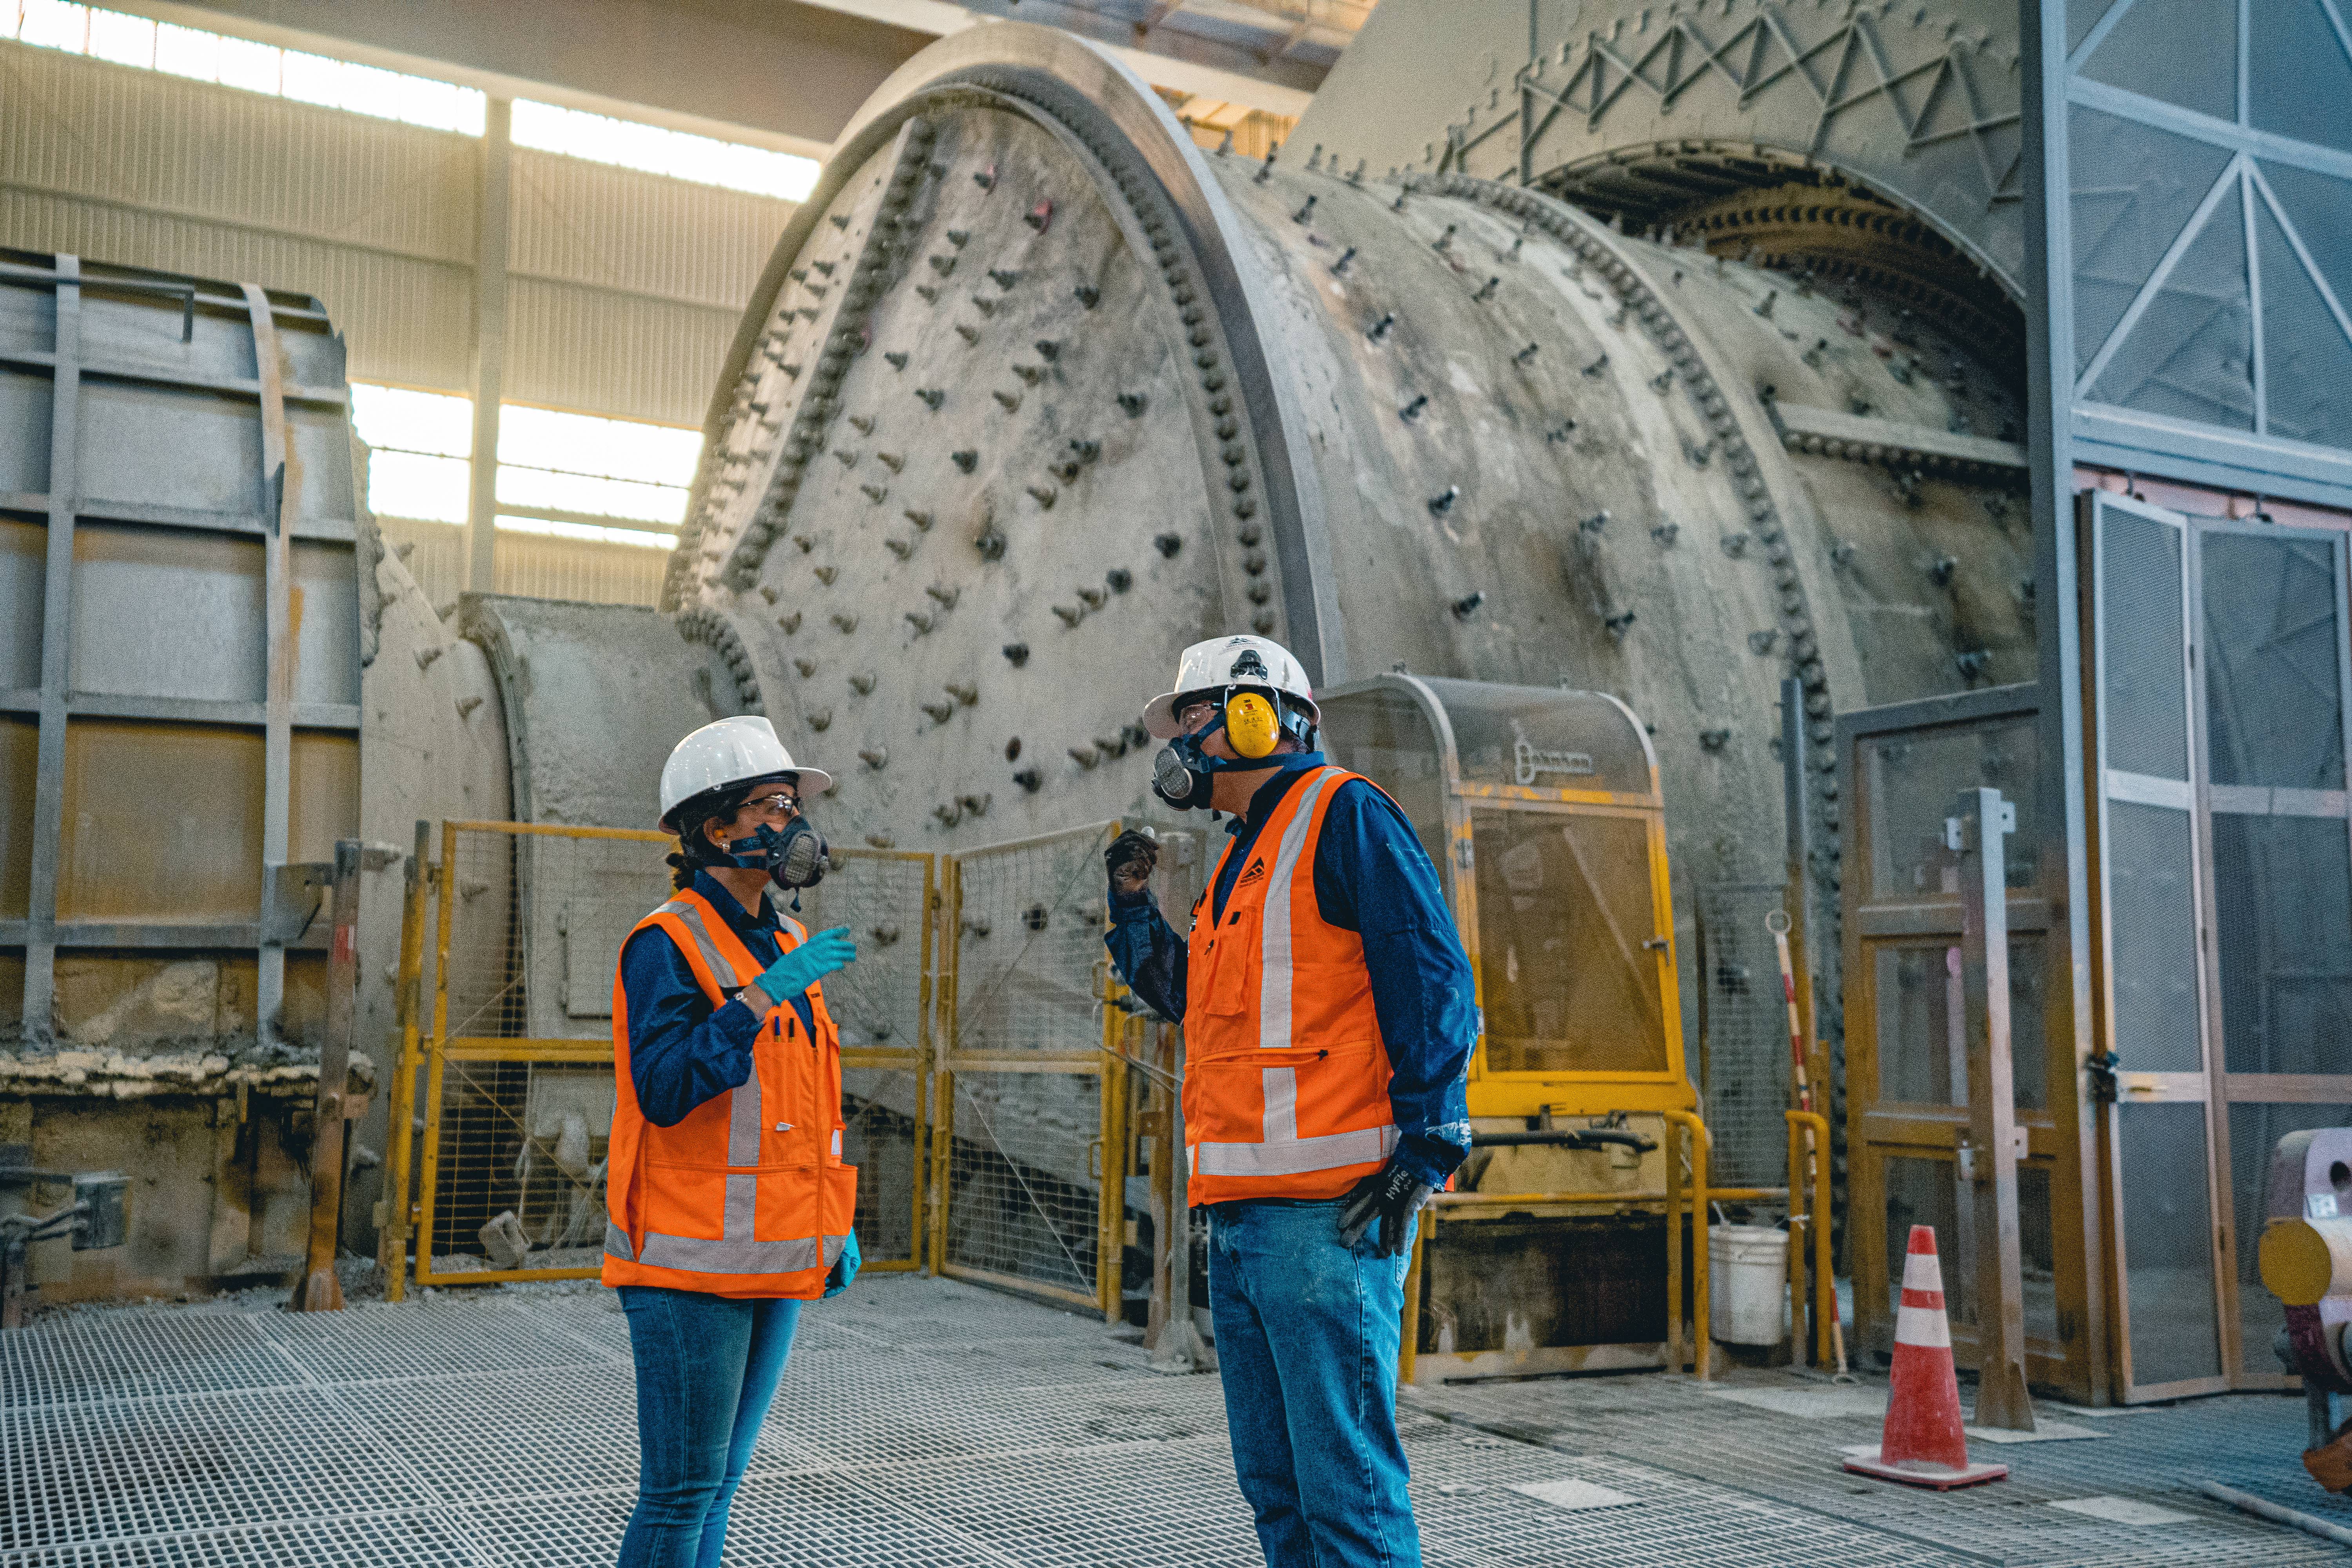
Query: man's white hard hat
[730,752]
[1230,661]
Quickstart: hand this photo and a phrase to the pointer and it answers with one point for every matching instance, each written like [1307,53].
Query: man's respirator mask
[1254,725]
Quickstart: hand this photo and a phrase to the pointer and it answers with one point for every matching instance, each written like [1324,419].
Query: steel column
[492,221]
[2063,828]
[281,489]
[1977,834]
[319,1291]
[56,612]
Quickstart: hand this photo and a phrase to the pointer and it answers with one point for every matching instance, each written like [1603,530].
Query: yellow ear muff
[1251,726]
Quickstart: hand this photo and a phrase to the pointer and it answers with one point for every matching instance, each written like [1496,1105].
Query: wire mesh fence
[1027,1119]
[1023,1180]
[519,1095]
[1030,919]
[519,1087]
[1744,1035]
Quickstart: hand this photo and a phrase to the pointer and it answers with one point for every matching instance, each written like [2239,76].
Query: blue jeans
[1307,1343]
[707,1368]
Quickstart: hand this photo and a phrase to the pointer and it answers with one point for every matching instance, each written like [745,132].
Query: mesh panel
[2282,897]
[1033,919]
[2182,51]
[1922,1039]
[2145,705]
[883,1141]
[2190,354]
[2134,187]
[2297,70]
[2273,702]
[1564,910]
[1911,779]
[1744,1036]
[522,1137]
[1019,1202]
[2152,922]
[882,899]
[2168,1244]
[2305,356]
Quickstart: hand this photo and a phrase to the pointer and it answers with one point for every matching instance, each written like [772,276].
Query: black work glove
[1392,1195]
[1130,860]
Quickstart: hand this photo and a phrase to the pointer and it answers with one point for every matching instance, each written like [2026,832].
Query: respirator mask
[792,856]
[1254,725]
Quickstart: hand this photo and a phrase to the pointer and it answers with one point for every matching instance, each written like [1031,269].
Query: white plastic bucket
[1748,1270]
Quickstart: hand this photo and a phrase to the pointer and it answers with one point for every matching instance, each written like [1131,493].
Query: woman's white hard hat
[1237,660]
[728,754]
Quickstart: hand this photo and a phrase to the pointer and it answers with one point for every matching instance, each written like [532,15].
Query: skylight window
[201,55]
[585,478]
[680,154]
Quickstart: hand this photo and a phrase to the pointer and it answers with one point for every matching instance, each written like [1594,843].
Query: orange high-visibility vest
[1285,1076]
[747,1195]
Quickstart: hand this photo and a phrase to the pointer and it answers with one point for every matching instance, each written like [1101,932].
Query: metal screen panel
[1028,1154]
[1744,1036]
[1022,1202]
[1567,948]
[1911,777]
[1030,924]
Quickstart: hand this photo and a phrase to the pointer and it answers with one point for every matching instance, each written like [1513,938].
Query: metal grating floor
[925,1422]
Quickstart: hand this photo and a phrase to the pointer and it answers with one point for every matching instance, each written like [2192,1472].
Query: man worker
[1328,1018]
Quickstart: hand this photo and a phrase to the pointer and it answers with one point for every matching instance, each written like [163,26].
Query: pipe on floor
[2274,1513]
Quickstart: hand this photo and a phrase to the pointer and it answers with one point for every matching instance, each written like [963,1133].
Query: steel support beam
[281,486]
[2063,829]
[492,222]
[57,610]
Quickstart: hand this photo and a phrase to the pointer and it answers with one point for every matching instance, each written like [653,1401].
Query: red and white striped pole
[1923,1445]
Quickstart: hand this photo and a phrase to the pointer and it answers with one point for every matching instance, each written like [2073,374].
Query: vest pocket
[682,1200]
[1262,1095]
[1230,962]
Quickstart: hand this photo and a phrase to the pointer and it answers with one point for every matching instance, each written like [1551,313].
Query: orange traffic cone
[1923,1445]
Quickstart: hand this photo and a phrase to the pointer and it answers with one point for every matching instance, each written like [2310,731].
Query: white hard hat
[1220,662]
[731,752]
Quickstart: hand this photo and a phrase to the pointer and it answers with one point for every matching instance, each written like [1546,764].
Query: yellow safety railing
[1808,1151]
[1678,1198]
[520,927]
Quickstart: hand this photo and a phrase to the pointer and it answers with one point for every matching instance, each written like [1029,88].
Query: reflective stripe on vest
[1295,1157]
[1273,985]
[699,1255]
[742,1100]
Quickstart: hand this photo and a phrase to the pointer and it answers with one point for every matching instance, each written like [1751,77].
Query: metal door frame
[2148,1088]
[1875,1132]
[2262,1089]
[1107,1062]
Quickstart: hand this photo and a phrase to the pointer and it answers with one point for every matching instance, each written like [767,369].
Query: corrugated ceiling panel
[403,320]
[589,222]
[612,353]
[69,124]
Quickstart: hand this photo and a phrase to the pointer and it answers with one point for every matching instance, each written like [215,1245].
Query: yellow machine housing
[1542,809]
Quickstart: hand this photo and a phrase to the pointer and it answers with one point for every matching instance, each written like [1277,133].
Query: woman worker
[728,1202]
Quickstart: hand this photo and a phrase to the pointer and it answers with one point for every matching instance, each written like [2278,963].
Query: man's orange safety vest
[1285,1077]
[747,1195]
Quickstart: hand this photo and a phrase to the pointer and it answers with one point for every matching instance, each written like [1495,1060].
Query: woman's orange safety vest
[1285,1077]
[747,1195]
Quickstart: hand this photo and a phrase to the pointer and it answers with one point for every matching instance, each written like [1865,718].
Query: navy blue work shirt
[682,1050]
[1373,878]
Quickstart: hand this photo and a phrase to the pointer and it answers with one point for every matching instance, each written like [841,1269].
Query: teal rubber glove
[844,1268]
[806,964]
